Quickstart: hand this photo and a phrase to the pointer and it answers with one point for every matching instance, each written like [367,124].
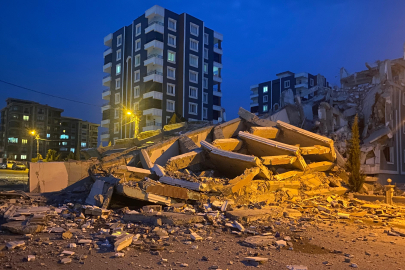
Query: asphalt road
[13,179]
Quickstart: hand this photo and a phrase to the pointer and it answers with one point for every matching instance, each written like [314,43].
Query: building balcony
[154,44]
[107,52]
[218,50]
[217,93]
[154,95]
[106,106]
[153,112]
[107,68]
[154,75]
[154,59]
[108,40]
[106,94]
[254,95]
[218,65]
[107,80]
[254,104]
[105,136]
[216,108]
[217,79]
[105,123]
[301,85]
[155,26]
[155,11]
[152,126]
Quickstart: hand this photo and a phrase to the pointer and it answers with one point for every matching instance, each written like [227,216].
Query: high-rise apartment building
[266,97]
[162,63]
[56,132]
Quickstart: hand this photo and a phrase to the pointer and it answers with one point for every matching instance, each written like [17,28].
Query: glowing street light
[36,137]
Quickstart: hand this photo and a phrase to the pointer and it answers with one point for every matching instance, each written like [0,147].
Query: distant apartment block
[56,132]
[266,97]
[162,63]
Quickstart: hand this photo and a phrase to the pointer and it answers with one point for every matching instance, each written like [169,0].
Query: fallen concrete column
[293,135]
[279,160]
[260,147]
[265,132]
[139,194]
[145,160]
[242,180]
[182,183]
[314,150]
[234,164]
[254,120]
[322,166]
[186,144]
[183,161]
[228,144]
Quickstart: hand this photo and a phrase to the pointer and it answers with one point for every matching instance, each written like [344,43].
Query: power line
[39,92]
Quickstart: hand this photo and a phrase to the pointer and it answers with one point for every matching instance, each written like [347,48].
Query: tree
[39,157]
[70,156]
[52,155]
[356,178]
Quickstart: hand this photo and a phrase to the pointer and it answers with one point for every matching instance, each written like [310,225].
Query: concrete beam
[261,147]
[183,161]
[293,135]
[186,144]
[265,132]
[228,144]
[254,120]
[286,175]
[182,183]
[139,194]
[322,166]
[278,160]
[314,150]
[173,192]
[234,164]
[137,172]
[145,160]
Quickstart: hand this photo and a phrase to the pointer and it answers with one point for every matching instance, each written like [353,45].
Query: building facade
[163,63]
[266,97]
[20,117]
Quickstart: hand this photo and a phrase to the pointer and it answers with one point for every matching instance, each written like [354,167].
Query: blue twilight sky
[57,46]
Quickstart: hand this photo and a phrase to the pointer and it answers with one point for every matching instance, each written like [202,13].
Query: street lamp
[36,137]
[135,117]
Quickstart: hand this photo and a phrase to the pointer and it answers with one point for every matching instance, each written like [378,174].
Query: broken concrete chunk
[67,235]
[96,189]
[228,144]
[182,183]
[65,260]
[145,160]
[297,267]
[315,150]
[122,242]
[265,132]
[278,160]
[322,166]
[254,119]
[281,243]
[195,237]
[30,258]
[259,260]
[239,182]
[259,241]
[185,160]
[19,227]
[15,244]
[159,170]
[239,226]
[186,144]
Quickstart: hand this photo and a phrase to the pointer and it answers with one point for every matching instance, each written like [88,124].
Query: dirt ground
[323,245]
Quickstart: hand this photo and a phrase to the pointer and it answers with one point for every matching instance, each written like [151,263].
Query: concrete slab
[186,144]
[261,147]
[185,160]
[139,194]
[96,189]
[231,128]
[237,183]
[218,134]
[325,191]
[259,241]
[276,185]
[173,192]
[286,175]
[265,132]
[169,218]
[314,150]
[145,160]
[137,172]
[228,144]
[322,166]
[250,215]
[293,135]
[278,160]
[159,170]
[182,183]
[254,120]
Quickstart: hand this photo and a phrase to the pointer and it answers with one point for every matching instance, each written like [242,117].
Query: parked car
[10,164]
[19,166]
[3,165]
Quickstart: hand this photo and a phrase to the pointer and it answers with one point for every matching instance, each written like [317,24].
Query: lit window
[116,113]
[171,88]
[118,54]
[205,68]
[118,69]
[171,40]
[13,140]
[265,108]
[23,156]
[116,128]
[137,75]
[171,73]
[137,91]
[192,108]
[205,38]
[117,98]
[193,60]
[193,76]
[311,82]
[137,45]
[205,98]
[205,53]
[169,105]
[119,40]
[117,83]
[138,29]
[172,24]
[265,98]
[193,45]
[205,113]
[24,141]
[286,84]
[26,118]
[48,135]
[193,92]
[83,144]
[265,89]
[64,143]
[171,56]
[205,84]
[216,71]
[64,137]
[72,150]
[194,29]
[137,60]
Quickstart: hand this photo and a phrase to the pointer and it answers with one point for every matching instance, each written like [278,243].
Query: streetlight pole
[36,137]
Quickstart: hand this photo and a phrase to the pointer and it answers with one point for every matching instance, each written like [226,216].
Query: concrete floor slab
[228,144]
[322,166]
[185,160]
[278,160]
[265,132]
